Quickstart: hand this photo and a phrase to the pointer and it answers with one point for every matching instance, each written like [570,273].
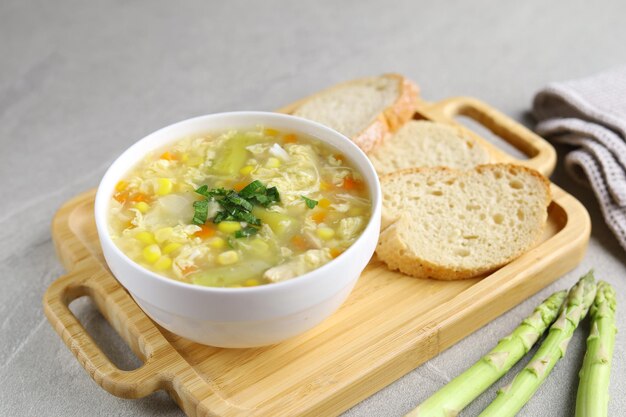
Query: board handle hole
[103,334]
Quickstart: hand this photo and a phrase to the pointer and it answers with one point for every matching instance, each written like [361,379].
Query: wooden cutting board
[389,325]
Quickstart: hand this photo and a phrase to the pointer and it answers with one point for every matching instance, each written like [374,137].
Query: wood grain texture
[389,325]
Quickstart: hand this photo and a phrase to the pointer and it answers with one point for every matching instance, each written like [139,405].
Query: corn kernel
[271,132]
[217,242]
[164,186]
[152,253]
[227,258]
[246,170]
[168,156]
[142,206]
[171,247]
[145,237]
[251,283]
[163,234]
[325,233]
[325,186]
[228,227]
[324,203]
[272,163]
[121,186]
[163,263]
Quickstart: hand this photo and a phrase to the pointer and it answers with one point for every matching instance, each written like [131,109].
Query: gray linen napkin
[590,114]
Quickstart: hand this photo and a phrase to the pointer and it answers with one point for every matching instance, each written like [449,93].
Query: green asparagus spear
[593,390]
[463,389]
[512,398]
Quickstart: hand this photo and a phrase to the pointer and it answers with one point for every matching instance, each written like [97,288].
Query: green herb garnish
[251,189]
[201,211]
[204,190]
[257,193]
[246,232]
[234,200]
[309,202]
[272,195]
[235,206]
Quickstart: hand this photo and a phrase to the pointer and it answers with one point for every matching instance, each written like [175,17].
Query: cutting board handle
[542,155]
[128,384]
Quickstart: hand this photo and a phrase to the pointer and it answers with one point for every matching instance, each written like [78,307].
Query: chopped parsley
[235,206]
[309,202]
[257,193]
[204,190]
[201,211]
[246,232]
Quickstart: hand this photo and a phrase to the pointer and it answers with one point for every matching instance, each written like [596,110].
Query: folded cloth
[590,114]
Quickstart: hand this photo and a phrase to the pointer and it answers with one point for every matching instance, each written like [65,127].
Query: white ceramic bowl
[240,317]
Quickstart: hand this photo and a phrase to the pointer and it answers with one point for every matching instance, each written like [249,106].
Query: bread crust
[389,120]
[372,135]
[403,109]
[393,117]
[392,247]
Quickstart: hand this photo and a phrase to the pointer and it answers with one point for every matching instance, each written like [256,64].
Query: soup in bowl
[239,229]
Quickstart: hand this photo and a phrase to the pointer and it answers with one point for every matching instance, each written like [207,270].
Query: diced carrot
[189,269]
[299,242]
[206,231]
[334,252]
[350,183]
[271,132]
[319,216]
[291,138]
[239,186]
[121,197]
[139,197]
[121,185]
[168,156]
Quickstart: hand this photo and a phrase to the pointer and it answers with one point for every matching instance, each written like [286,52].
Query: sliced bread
[427,144]
[448,224]
[364,110]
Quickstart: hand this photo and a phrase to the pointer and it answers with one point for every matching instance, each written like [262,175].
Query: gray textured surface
[80,81]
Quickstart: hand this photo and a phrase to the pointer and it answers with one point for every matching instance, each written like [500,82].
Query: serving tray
[390,324]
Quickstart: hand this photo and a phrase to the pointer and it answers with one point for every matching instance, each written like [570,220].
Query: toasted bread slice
[365,110]
[427,144]
[449,224]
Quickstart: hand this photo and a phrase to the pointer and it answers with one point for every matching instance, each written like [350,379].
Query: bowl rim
[102,200]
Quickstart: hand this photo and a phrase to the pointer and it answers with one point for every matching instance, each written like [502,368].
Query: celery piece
[230,275]
[232,156]
[279,223]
